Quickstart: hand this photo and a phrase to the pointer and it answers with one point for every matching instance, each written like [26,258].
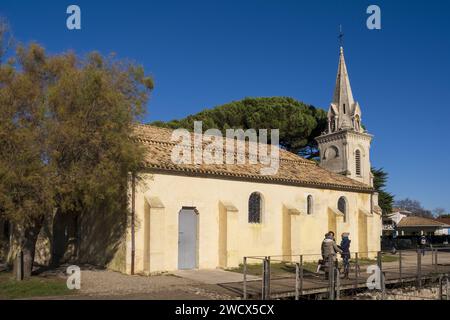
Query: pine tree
[385,199]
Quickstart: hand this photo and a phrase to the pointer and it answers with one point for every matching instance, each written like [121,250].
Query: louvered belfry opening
[358,162]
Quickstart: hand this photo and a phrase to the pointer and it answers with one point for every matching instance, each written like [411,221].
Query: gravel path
[104,284]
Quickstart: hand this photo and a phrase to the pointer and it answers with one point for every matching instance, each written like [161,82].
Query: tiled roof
[419,222]
[444,220]
[293,170]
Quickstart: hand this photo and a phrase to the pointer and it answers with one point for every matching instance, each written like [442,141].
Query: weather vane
[341,36]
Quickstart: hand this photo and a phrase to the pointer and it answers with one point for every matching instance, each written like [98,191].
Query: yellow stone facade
[224,234]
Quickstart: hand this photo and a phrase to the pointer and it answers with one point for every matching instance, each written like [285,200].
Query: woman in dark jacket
[345,247]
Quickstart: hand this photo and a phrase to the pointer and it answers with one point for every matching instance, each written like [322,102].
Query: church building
[189,216]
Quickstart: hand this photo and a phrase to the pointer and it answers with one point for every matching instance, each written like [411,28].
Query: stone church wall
[225,236]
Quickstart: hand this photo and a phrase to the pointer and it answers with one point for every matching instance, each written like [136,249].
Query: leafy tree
[439,212]
[414,207]
[385,199]
[298,123]
[26,195]
[65,134]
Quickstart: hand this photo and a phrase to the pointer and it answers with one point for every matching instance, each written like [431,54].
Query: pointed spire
[344,112]
[343,91]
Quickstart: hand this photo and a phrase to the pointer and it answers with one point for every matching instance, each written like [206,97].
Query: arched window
[342,207]
[358,162]
[254,208]
[309,204]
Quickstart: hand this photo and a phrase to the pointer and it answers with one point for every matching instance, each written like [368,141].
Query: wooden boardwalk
[284,285]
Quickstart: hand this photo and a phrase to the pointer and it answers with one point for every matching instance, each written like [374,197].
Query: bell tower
[345,145]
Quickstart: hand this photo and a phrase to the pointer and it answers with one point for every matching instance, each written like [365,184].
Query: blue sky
[206,53]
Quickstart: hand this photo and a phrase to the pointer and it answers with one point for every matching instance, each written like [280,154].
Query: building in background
[444,231]
[417,226]
[390,222]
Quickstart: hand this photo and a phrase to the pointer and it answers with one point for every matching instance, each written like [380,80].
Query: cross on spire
[341,36]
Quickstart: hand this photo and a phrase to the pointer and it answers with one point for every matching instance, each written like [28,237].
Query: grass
[276,268]
[384,258]
[34,287]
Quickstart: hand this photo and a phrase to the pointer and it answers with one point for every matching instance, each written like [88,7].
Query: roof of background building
[419,222]
[445,220]
[293,170]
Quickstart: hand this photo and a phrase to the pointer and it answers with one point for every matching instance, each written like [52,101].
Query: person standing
[329,251]
[345,247]
[423,244]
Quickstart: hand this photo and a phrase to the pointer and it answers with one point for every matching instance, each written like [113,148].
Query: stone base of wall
[412,293]
[93,239]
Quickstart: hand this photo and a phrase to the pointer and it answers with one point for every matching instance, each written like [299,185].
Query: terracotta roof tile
[419,222]
[444,220]
[293,170]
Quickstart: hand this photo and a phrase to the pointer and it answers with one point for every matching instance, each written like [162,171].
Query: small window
[342,207]
[309,204]
[344,108]
[358,162]
[254,208]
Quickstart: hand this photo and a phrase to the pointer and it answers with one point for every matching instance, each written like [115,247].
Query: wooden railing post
[436,269]
[447,286]
[380,266]
[331,282]
[356,270]
[419,269]
[245,279]
[264,280]
[444,292]
[338,285]
[301,274]
[400,266]
[268,277]
[297,281]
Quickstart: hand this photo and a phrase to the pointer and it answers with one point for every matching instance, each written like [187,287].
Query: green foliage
[385,199]
[25,177]
[298,123]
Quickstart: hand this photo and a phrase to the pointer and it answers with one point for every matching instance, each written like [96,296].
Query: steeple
[344,113]
[345,146]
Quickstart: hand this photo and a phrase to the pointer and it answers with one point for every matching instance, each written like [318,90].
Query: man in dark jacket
[423,244]
[345,247]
